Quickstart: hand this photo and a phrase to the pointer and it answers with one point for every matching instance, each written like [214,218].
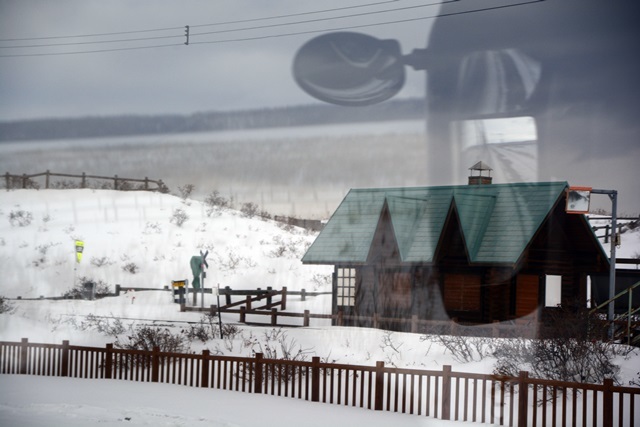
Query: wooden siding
[462,292]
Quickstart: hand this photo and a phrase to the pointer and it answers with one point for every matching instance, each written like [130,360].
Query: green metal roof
[497,221]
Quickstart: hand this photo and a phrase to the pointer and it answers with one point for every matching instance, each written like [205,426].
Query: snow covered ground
[133,239]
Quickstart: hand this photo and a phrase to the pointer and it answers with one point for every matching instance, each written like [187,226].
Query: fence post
[315,379]
[118,288]
[155,364]
[46,179]
[274,317]
[257,380]
[228,295]
[305,321]
[7,179]
[379,387]
[146,183]
[115,182]
[243,314]
[204,380]
[108,361]
[303,294]
[248,302]
[284,298]
[269,289]
[64,359]
[607,403]
[24,348]
[24,180]
[523,398]
[83,183]
[446,392]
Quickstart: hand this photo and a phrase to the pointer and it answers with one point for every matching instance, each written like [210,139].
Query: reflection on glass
[509,145]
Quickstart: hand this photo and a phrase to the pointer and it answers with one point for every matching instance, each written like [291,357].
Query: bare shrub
[78,291]
[101,261]
[6,306]
[16,181]
[131,267]
[41,258]
[147,338]
[249,209]
[275,344]
[152,228]
[20,217]
[464,349]
[571,348]
[178,217]
[215,202]
[186,190]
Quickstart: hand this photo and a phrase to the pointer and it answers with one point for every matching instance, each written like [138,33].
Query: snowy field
[133,239]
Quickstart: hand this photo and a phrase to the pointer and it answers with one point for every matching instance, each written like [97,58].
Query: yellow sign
[79,249]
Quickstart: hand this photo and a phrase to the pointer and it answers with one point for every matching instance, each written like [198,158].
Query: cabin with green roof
[478,253]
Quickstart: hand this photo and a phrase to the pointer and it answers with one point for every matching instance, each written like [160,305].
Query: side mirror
[349,69]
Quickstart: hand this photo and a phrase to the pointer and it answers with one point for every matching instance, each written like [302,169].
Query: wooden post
[446,392]
[284,298]
[7,179]
[118,289]
[155,364]
[83,183]
[243,314]
[378,394]
[274,317]
[146,183]
[257,379]
[204,378]
[315,379]
[108,361]
[303,295]
[523,398]
[607,403]
[24,349]
[24,180]
[305,322]
[228,295]
[213,310]
[115,182]
[269,289]
[46,180]
[64,359]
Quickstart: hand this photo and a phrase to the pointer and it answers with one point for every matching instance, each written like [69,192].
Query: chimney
[476,176]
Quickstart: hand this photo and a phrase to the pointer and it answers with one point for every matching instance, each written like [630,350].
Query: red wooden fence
[445,394]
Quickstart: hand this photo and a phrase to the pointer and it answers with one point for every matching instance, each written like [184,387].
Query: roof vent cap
[477,175]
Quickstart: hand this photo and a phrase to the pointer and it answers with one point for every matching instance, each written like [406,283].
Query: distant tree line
[304,115]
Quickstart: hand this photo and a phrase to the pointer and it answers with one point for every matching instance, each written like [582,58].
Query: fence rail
[119,183]
[443,394]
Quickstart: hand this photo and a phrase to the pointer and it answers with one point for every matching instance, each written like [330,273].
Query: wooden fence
[26,181]
[443,394]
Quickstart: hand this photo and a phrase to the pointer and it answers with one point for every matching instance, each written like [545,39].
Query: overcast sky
[176,79]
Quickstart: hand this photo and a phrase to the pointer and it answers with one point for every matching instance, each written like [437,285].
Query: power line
[90,51]
[291,15]
[193,26]
[93,42]
[351,27]
[308,21]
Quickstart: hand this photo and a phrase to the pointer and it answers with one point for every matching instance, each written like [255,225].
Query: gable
[497,221]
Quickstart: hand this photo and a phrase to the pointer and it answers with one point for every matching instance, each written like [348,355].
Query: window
[346,287]
[553,291]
